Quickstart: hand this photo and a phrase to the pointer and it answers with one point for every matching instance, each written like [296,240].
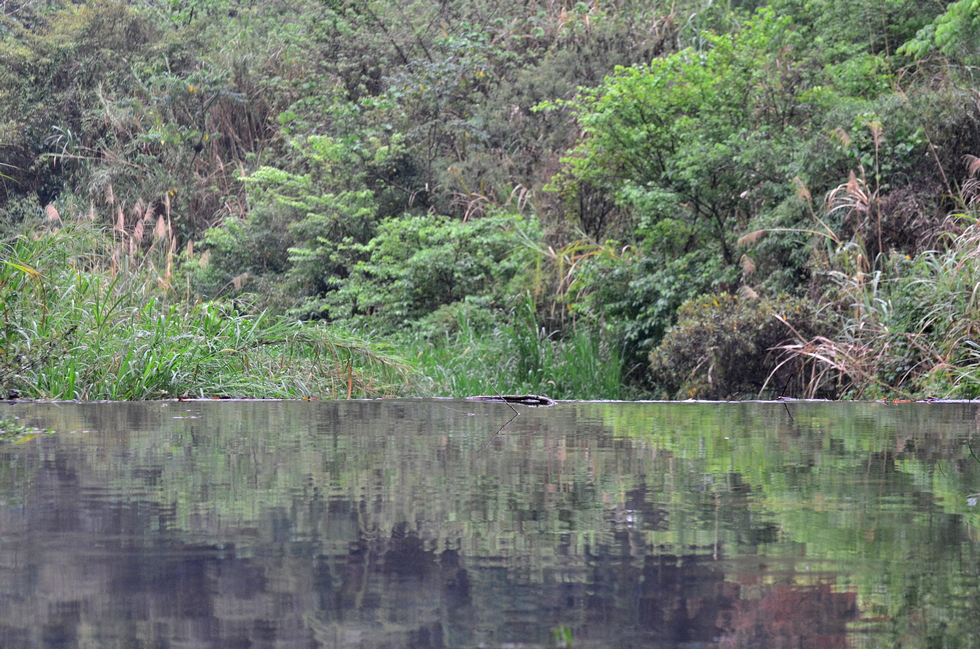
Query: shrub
[722,347]
[417,264]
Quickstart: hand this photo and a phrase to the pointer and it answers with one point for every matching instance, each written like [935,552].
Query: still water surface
[415,524]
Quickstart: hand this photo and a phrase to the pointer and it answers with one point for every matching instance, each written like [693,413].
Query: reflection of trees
[808,616]
[355,524]
[383,591]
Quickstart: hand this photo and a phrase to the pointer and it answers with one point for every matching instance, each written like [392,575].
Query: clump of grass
[520,358]
[75,324]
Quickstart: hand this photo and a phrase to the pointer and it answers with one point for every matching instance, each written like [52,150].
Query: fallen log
[533,400]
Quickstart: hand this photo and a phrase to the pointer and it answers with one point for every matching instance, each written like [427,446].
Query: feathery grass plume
[803,195]
[852,195]
[803,192]
[752,237]
[748,266]
[138,231]
[160,229]
[971,186]
[747,292]
[52,216]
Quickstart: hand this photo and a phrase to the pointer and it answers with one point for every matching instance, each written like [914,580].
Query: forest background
[606,199]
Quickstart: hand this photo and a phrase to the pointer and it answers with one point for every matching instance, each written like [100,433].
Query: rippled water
[418,524]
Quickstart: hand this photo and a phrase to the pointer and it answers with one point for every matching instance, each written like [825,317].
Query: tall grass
[520,358]
[909,328]
[904,327]
[84,317]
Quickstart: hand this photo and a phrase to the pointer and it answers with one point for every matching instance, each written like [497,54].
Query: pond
[423,523]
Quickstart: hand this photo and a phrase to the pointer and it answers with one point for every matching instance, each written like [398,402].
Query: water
[418,524]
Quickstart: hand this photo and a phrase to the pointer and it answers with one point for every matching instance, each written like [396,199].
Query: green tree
[955,33]
[707,132]
[54,68]
[417,264]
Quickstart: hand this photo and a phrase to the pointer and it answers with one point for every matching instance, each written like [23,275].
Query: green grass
[520,359]
[79,320]
[82,317]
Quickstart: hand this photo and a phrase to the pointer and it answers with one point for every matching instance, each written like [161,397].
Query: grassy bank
[84,317]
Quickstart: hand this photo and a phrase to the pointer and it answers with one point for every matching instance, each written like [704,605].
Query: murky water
[417,524]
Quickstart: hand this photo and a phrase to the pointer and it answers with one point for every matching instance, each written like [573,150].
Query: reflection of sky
[393,524]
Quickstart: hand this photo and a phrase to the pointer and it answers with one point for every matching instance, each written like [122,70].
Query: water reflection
[395,524]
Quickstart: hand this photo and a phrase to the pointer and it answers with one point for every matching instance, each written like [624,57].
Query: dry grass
[909,328]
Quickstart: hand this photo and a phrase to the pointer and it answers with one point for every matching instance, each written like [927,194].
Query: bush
[726,347]
[417,264]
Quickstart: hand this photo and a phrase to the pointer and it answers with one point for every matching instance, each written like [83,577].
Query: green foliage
[695,128]
[417,264]
[955,33]
[244,255]
[710,141]
[638,296]
[458,82]
[53,67]
[837,30]
[310,224]
[693,146]
[75,329]
[482,351]
[330,238]
[16,211]
[383,162]
[724,347]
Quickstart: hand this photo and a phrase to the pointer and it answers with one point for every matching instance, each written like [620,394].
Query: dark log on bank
[533,400]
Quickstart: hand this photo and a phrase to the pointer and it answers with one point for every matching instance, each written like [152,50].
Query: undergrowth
[909,328]
[905,326]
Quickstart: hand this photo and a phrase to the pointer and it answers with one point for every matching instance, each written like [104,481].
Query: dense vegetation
[593,199]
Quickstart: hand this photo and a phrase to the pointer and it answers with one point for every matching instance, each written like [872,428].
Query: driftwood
[532,400]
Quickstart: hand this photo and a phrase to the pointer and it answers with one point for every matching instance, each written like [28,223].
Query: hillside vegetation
[606,199]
